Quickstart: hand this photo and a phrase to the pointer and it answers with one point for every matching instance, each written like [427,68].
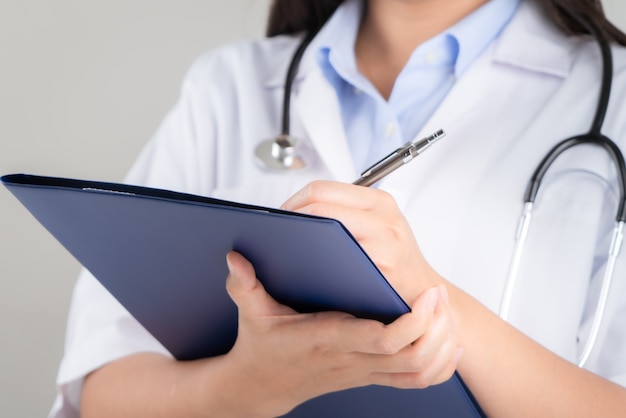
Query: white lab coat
[530,89]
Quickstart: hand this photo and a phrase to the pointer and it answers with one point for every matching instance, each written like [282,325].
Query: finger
[440,370]
[417,355]
[372,337]
[431,360]
[375,233]
[439,337]
[341,194]
[370,215]
[436,353]
[419,372]
[359,222]
[247,292]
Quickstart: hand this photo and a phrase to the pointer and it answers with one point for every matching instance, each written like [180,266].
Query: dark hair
[293,16]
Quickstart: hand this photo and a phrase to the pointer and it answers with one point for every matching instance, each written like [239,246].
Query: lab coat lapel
[316,108]
[495,117]
[529,47]
[315,111]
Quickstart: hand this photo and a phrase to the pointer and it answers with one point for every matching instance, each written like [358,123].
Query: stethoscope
[594,137]
[282,153]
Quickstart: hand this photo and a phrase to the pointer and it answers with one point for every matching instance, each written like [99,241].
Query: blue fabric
[375,126]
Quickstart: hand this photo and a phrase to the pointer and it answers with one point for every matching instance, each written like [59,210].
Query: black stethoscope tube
[291,75]
[591,138]
[594,136]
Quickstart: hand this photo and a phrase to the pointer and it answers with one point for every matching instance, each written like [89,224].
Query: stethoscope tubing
[609,272]
[594,137]
[614,250]
[289,79]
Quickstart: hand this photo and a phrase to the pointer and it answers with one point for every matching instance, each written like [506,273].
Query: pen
[397,159]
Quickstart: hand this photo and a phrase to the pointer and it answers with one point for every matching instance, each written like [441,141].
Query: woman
[506,79]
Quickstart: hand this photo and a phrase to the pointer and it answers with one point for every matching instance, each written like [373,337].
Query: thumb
[247,291]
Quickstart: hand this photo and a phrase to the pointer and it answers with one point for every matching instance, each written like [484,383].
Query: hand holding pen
[374,219]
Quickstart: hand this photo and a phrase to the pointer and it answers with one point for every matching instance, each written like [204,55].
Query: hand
[282,358]
[376,222]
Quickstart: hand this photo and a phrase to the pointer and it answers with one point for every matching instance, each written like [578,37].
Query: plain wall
[83,85]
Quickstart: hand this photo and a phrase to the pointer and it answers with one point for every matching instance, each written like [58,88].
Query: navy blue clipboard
[162,255]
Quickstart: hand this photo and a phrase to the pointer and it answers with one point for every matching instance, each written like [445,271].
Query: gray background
[83,85]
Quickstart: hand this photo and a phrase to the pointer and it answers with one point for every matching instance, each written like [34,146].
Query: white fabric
[530,89]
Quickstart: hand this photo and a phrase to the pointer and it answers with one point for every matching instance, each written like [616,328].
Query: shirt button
[391,127]
[357,91]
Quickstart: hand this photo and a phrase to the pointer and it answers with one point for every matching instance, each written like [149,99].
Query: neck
[392,29]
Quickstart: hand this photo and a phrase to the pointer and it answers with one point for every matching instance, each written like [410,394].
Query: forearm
[280,359]
[512,375]
[152,385]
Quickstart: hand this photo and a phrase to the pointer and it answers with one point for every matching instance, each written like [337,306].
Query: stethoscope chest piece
[279,154]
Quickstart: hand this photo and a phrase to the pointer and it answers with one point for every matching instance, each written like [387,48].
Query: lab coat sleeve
[620,380]
[99,329]
[181,155]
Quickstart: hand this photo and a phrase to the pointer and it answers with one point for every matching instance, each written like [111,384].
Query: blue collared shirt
[375,126]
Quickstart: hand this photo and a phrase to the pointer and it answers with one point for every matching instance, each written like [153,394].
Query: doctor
[506,79]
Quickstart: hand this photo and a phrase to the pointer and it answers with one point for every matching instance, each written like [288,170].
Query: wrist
[230,390]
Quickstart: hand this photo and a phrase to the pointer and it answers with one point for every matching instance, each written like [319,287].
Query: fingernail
[230,264]
[443,293]
[431,299]
[459,354]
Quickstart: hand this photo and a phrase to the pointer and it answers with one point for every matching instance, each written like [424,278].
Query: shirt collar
[341,29]
[339,32]
[531,42]
[337,39]
[490,19]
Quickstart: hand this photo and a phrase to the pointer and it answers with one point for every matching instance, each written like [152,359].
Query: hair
[294,16]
